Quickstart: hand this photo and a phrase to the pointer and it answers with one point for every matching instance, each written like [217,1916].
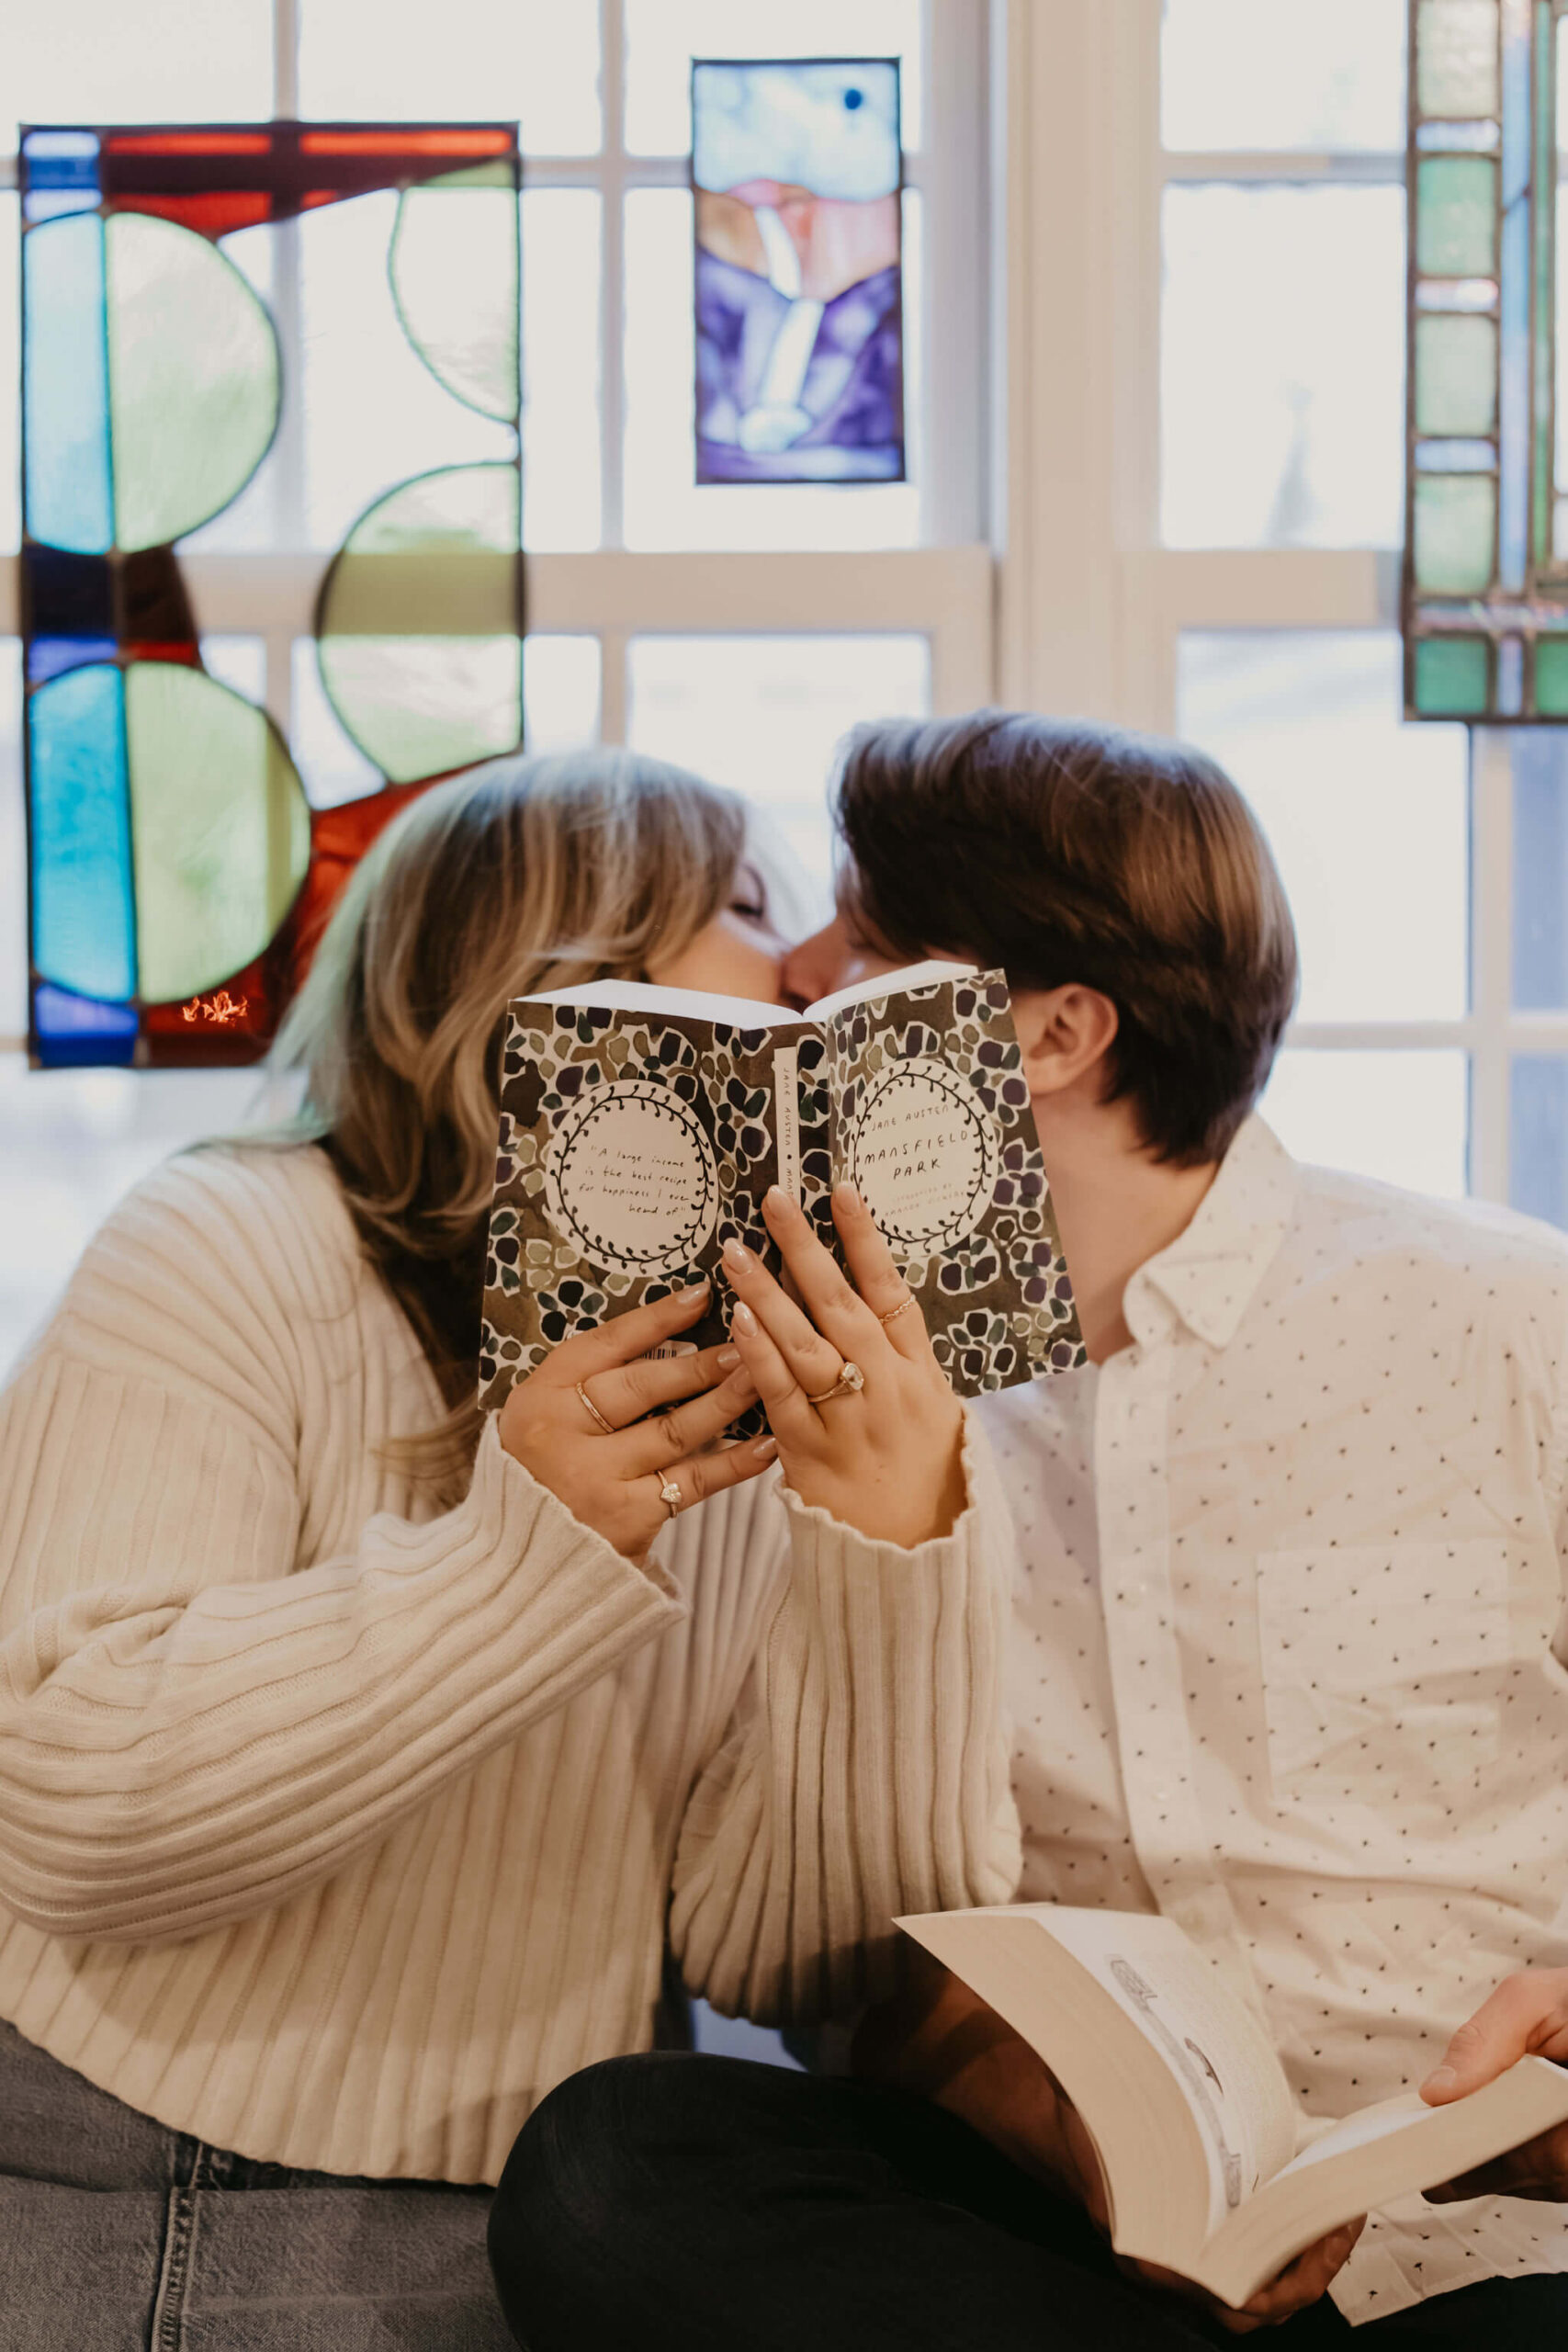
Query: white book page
[1229,2076]
[696,1004]
[910,976]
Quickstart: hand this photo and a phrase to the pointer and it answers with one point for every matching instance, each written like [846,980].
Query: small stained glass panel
[796,177]
[1283,367]
[1271,73]
[1455,524]
[10,386]
[84,925]
[1401,1118]
[1456,74]
[12,847]
[1456,216]
[1456,375]
[1367,817]
[65,404]
[1454,677]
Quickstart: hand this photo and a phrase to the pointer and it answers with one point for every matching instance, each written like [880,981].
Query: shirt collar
[1210,1272]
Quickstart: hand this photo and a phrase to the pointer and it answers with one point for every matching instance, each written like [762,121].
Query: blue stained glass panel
[65,409]
[84,931]
[47,656]
[81,1031]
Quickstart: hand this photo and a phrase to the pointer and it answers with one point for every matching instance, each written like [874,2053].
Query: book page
[1233,2083]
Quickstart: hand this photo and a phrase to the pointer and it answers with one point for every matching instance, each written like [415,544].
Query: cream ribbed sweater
[335,1832]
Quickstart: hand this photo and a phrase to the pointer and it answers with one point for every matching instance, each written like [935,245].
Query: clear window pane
[71,1143]
[1271,73]
[560,691]
[161,60]
[561,315]
[766,714]
[1540,868]
[10,378]
[1282,354]
[1401,1117]
[404,60]
[331,766]
[663,507]
[1539,1141]
[663,36]
[1368,818]
[13,849]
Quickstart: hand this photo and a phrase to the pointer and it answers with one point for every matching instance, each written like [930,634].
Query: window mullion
[1491,899]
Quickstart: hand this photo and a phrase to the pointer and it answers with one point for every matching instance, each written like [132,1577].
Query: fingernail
[766,1448]
[779,1201]
[1443,2079]
[695,1290]
[848,1196]
[727,1359]
[743,1320]
[735,1253]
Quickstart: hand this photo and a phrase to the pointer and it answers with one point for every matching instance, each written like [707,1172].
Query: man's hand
[941,2040]
[1527,2016]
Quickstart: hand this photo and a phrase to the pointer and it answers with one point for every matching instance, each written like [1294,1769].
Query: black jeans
[672,2203]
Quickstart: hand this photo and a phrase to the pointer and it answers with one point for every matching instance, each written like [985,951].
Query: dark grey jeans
[117,2235]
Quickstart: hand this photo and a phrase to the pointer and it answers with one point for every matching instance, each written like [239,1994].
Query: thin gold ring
[670,1495]
[849,1380]
[903,1306]
[608,1427]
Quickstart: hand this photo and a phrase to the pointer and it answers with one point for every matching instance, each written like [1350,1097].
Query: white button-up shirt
[1290,1584]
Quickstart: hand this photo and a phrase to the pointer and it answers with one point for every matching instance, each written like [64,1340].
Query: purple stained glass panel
[796,174]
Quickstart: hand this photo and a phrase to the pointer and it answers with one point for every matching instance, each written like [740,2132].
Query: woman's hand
[1526,2013]
[579,1423]
[885,1458]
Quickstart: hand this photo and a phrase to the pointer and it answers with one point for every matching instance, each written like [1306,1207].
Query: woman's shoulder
[224,1272]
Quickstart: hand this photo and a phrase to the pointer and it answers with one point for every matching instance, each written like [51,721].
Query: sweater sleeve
[191,1727]
[867,1772]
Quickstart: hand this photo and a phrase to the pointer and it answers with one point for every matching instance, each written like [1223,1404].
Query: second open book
[1187,2104]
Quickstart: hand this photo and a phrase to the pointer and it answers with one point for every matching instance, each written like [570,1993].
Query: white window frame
[1092,607]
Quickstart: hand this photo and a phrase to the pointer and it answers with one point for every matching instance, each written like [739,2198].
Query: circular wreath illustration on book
[631,1180]
[924,1153]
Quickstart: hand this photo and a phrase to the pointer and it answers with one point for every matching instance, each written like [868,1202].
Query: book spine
[786,1096]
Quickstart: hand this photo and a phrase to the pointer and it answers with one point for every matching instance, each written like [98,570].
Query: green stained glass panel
[1456,216]
[455,279]
[1456,52]
[1456,375]
[192,379]
[418,624]
[1552,677]
[220,827]
[1451,679]
[1456,518]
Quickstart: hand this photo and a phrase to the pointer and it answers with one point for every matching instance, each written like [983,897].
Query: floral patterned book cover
[640,1128]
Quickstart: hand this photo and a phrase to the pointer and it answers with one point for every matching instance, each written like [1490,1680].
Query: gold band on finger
[608,1427]
[902,1308]
[670,1495]
[849,1380]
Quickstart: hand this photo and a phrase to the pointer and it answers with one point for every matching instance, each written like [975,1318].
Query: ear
[1065,1034]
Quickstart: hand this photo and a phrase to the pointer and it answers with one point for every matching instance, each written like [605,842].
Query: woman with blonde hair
[356,1761]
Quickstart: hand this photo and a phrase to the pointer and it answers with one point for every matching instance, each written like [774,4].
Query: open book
[1188,2105]
[640,1128]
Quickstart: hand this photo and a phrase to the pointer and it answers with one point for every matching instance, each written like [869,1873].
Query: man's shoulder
[1474,1248]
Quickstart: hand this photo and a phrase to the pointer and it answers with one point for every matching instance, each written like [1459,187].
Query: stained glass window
[796,169]
[1486,545]
[180,861]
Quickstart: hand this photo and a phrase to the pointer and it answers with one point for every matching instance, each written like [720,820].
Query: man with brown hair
[1283,1662]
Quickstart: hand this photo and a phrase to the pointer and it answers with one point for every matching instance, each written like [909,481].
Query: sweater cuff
[829,1544]
[508,1506]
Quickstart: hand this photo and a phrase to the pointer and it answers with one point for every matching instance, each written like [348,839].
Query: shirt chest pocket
[1385,1668]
